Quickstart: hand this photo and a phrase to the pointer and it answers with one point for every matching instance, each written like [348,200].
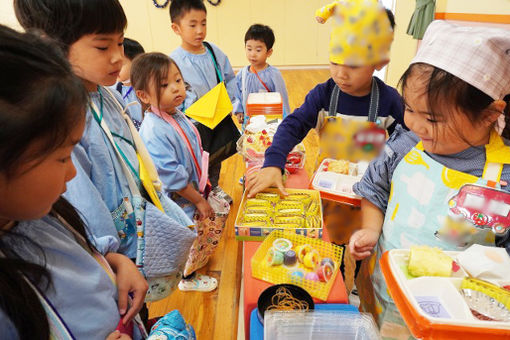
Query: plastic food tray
[452,317]
[282,274]
[244,233]
[334,186]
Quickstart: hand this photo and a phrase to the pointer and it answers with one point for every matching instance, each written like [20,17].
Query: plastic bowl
[265,298]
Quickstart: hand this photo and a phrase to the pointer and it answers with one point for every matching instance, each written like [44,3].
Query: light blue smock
[199,72]
[171,155]
[271,76]
[81,292]
[102,168]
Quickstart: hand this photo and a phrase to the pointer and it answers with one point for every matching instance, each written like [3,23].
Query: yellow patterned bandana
[362,33]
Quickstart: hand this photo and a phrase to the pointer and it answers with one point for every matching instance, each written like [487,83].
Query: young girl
[91,33]
[53,281]
[173,141]
[453,94]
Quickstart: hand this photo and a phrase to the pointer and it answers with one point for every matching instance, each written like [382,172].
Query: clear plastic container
[319,325]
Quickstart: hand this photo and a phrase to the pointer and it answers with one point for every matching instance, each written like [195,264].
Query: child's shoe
[222,194]
[198,283]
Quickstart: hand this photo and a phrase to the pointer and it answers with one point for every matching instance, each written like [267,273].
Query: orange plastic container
[422,325]
[335,187]
[268,104]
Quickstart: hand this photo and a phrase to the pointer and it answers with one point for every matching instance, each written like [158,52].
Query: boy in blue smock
[359,45]
[259,76]
[132,48]
[203,66]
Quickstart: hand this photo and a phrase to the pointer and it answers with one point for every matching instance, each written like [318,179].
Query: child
[91,32]
[173,142]
[132,48]
[453,94]
[204,65]
[346,100]
[259,76]
[53,280]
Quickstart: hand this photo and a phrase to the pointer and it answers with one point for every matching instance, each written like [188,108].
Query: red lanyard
[263,84]
[169,119]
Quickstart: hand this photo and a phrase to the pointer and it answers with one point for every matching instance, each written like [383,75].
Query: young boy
[203,66]
[132,48]
[350,96]
[259,76]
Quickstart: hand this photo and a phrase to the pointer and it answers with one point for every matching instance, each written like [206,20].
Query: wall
[299,39]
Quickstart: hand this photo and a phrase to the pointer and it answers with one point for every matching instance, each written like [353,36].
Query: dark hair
[150,69]
[132,48]
[506,112]
[261,33]
[178,8]
[40,100]
[68,20]
[443,87]
[391,17]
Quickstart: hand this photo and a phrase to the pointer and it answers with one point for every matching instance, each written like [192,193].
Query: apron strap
[373,109]
[492,172]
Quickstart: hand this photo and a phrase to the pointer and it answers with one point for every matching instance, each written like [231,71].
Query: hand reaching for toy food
[263,179]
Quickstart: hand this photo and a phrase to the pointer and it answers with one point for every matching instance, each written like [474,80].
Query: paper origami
[212,107]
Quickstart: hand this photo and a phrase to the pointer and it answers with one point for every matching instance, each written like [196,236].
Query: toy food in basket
[257,137]
[335,178]
[309,263]
[452,305]
[299,212]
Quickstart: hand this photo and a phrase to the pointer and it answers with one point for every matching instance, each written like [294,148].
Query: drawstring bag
[172,326]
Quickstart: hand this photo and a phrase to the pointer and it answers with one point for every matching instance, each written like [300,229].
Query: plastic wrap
[319,325]
[258,137]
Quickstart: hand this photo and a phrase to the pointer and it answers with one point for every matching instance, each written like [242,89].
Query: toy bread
[428,261]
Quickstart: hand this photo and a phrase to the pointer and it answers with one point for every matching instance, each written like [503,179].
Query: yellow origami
[362,33]
[212,107]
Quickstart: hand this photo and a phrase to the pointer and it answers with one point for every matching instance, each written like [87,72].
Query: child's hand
[362,243]
[265,178]
[129,281]
[240,117]
[118,336]
[319,20]
[204,210]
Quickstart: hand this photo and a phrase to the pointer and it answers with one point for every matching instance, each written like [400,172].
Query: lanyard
[128,92]
[99,120]
[171,120]
[260,79]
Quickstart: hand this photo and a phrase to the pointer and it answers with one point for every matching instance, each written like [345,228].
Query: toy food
[290,204]
[325,272]
[339,166]
[274,257]
[428,261]
[257,202]
[289,258]
[268,196]
[290,219]
[311,276]
[311,259]
[326,260]
[256,217]
[302,250]
[282,245]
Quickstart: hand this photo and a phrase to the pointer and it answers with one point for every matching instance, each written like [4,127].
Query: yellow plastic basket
[262,270]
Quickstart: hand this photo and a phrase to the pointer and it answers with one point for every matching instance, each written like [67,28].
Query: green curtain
[422,17]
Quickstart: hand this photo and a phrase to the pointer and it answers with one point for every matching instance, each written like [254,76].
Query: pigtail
[506,113]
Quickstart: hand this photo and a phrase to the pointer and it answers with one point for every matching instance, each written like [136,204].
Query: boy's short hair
[132,48]
[262,33]
[178,8]
[391,17]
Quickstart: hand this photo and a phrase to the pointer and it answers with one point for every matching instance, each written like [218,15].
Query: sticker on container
[432,306]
